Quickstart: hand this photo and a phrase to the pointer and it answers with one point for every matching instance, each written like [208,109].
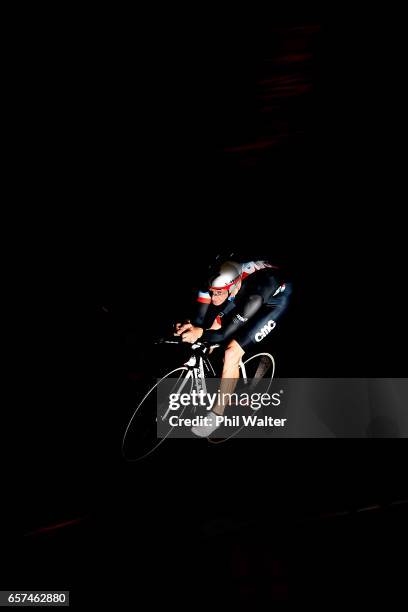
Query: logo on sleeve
[266,329]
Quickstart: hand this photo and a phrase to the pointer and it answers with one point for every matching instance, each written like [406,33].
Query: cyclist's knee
[233,354]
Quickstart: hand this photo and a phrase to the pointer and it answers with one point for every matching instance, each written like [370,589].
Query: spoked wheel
[140,438]
[259,372]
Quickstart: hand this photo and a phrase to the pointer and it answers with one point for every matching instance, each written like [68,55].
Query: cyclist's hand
[192,335]
[182,327]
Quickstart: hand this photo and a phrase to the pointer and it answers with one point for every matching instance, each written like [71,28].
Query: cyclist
[238,309]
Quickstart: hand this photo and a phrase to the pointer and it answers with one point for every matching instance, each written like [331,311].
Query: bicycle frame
[198,366]
[204,365]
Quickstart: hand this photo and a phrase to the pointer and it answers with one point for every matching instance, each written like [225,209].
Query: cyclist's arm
[237,318]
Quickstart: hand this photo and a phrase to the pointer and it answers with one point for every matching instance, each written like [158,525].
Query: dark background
[157,155]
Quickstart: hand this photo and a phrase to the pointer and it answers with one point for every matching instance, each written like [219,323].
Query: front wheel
[140,437]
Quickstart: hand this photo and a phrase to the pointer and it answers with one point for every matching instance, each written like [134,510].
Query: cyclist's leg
[230,374]
[229,378]
[247,339]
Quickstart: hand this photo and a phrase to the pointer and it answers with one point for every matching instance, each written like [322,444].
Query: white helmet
[226,275]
